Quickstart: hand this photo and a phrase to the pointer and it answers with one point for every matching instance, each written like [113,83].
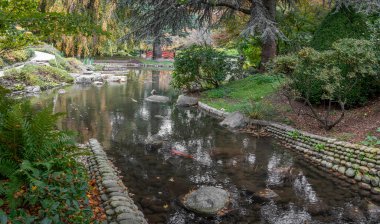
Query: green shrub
[345,23]
[347,72]
[36,75]
[260,110]
[12,57]
[40,181]
[200,68]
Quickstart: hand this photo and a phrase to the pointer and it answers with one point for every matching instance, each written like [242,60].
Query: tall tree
[175,15]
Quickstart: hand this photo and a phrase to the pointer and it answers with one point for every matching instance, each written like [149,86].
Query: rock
[84,79]
[98,83]
[353,214]
[186,101]
[33,89]
[224,152]
[265,195]
[117,79]
[158,99]
[235,120]
[155,142]
[350,172]
[318,208]
[373,212]
[206,200]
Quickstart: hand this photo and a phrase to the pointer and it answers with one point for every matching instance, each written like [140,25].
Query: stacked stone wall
[119,207]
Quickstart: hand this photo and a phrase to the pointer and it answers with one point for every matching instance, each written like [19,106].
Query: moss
[345,23]
[35,75]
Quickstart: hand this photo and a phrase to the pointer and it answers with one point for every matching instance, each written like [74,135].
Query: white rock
[117,79]
[158,99]
[235,120]
[33,89]
[187,101]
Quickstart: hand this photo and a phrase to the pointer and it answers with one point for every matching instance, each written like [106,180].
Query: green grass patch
[242,94]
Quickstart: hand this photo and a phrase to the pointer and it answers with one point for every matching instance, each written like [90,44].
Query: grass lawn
[239,95]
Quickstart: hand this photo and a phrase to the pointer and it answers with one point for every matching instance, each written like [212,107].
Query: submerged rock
[157,99]
[353,214]
[373,212]
[235,120]
[186,101]
[265,195]
[206,200]
[155,142]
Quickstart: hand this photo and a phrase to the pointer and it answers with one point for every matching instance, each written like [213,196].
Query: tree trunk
[268,47]
[157,52]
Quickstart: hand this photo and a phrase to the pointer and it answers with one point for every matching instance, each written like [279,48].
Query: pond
[118,116]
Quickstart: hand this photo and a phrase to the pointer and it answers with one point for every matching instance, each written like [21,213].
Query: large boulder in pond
[207,200]
[158,99]
[186,101]
[235,120]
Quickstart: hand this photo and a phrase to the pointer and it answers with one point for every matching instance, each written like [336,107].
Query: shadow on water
[140,135]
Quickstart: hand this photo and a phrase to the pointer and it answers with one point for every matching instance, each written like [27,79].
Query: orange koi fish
[179,153]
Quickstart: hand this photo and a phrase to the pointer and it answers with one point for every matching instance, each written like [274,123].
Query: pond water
[118,116]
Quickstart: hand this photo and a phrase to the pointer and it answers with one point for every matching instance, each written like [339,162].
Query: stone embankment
[357,165]
[118,205]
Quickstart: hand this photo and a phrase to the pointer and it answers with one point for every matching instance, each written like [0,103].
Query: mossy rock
[345,23]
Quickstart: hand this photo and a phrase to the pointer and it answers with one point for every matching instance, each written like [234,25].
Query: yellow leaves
[34,188]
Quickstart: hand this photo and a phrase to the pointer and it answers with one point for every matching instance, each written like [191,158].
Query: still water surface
[118,116]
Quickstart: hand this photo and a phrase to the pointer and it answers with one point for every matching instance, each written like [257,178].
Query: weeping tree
[103,13]
[152,17]
[23,23]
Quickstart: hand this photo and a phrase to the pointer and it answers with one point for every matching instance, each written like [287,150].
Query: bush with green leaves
[348,72]
[347,76]
[40,181]
[260,110]
[345,23]
[36,75]
[200,67]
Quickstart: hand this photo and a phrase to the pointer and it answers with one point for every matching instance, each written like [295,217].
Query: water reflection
[124,123]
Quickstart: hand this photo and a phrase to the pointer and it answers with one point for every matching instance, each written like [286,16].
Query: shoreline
[357,165]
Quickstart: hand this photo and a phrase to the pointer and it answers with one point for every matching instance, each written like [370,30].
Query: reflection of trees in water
[109,113]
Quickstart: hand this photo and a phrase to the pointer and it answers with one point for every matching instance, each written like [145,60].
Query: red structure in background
[165,54]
